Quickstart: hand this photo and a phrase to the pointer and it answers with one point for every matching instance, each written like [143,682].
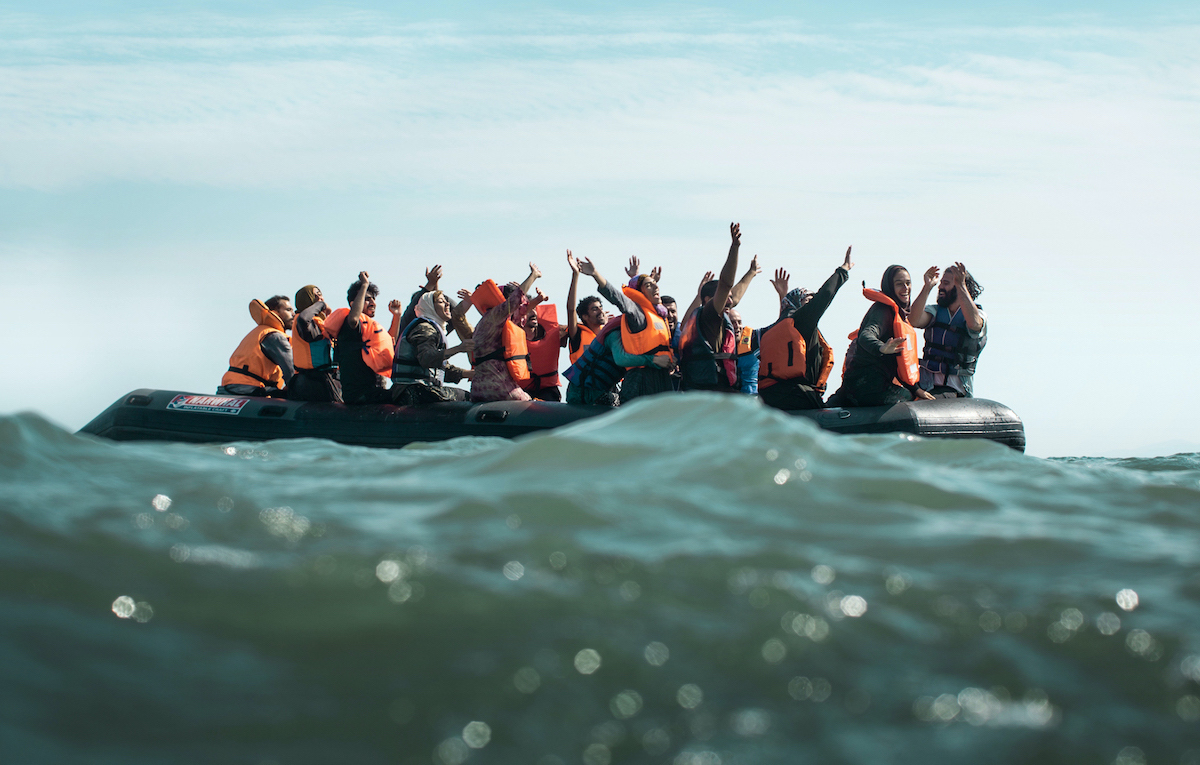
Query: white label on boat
[210,404]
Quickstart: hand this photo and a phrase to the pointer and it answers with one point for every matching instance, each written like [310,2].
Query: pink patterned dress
[492,382]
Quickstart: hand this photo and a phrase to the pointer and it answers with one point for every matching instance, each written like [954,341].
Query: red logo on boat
[210,404]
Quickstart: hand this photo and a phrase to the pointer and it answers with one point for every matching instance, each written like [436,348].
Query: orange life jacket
[908,370]
[543,354]
[315,355]
[486,297]
[783,356]
[744,342]
[654,338]
[249,365]
[378,349]
[514,352]
[586,336]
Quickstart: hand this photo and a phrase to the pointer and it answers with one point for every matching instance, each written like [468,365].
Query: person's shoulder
[931,309]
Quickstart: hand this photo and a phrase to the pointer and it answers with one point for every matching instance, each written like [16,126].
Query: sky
[161,165]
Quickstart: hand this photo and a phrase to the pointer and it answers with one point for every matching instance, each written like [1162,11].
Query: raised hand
[396,307]
[931,277]
[363,278]
[754,267]
[847,263]
[634,265]
[534,271]
[586,267]
[432,277]
[780,282]
[464,294]
[960,277]
[892,346]
[735,233]
[514,285]
[572,262]
[656,274]
[541,298]
[708,277]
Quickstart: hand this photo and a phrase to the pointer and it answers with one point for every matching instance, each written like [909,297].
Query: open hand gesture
[535,271]
[892,346]
[735,233]
[634,265]
[754,267]
[931,277]
[780,282]
[656,274]
[847,263]
[586,267]
[708,277]
[396,307]
[541,298]
[464,294]
[572,262]
[432,277]
[960,278]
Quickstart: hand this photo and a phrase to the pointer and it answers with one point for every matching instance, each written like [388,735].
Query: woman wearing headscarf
[316,375]
[421,371]
[496,336]
[882,370]
[795,358]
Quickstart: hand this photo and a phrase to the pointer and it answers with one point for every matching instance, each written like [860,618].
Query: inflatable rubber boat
[163,415]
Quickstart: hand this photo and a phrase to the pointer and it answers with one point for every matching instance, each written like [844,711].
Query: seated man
[795,358]
[707,343]
[955,333]
[261,365]
[362,349]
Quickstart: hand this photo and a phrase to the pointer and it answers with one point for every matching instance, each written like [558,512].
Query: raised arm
[534,275]
[356,308]
[965,301]
[587,268]
[780,283]
[729,270]
[916,312]
[396,307]
[692,306]
[572,319]
[740,288]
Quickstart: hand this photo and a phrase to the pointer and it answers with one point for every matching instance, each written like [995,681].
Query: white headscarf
[427,310]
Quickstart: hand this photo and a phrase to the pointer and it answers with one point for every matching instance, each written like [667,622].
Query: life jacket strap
[245,370]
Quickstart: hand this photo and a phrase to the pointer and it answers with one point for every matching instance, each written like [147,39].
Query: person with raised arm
[421,368]
[955,333]
[501,347]
[795,359]
[881,367]
[583,320]
[316,377]
[644,344]
[544,337]
[362,349]
[707,343]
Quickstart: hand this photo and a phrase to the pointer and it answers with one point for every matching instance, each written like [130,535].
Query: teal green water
[688,580]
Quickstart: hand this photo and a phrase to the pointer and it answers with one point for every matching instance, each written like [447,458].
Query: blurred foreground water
[689,580]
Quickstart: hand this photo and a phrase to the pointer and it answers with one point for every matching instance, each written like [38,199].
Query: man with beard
[955,333]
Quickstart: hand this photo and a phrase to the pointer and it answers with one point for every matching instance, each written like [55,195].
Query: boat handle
[495,415]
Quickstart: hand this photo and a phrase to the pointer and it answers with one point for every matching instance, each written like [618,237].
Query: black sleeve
[306,323]
[275,346]
[808,315]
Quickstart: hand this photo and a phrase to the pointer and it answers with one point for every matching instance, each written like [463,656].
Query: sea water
[693,580]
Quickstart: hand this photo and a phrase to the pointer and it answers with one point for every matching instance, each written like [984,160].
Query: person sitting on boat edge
[707,344]
[643,347]
[362,349]
[795,359]
[955,334]
[583,320]
[316,377]
[420,369]
[544,336]
[881,365]
[501,349]
[261,365]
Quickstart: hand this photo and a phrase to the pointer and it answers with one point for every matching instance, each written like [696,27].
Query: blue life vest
[949,347]
[596,368]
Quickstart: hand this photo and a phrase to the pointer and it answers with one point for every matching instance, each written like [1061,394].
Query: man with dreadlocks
[955,333]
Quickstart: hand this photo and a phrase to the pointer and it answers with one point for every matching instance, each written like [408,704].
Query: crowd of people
[310,351]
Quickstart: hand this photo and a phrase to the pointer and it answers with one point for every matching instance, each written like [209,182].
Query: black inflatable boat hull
[159,415]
